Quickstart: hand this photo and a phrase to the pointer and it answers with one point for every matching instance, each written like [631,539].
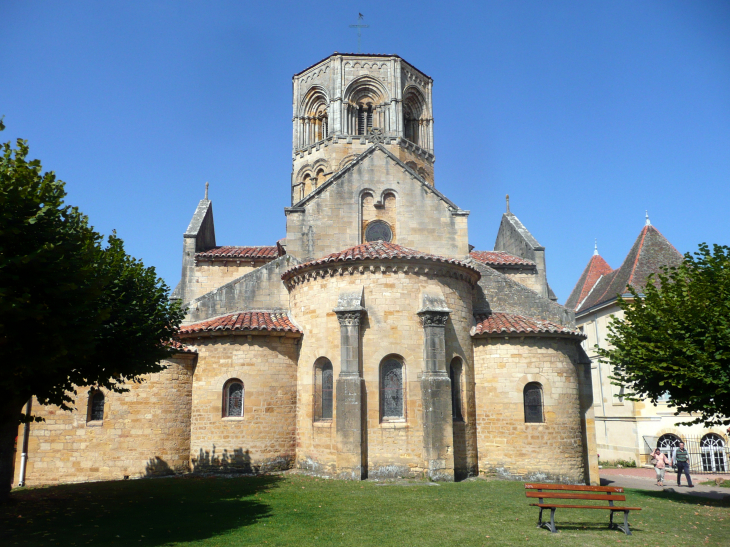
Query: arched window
[667,443]
[319,180]
[455,371]
[713,449]
[233,399]
[533,403]
[414,111]
[391,390]
[364,119]
[96,407]
[323,384]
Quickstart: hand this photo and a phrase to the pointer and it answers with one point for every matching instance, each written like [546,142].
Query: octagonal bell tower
[347,101]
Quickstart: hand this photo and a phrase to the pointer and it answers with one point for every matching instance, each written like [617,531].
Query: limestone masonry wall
[550,451]
[264,438]
[212,275]
[390,327]
[145,432]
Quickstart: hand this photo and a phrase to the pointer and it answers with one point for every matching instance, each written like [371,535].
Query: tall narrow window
[455,376]
[233,399]
[323,384]
[391,390]
[533,403]
[96,407]
[361,120]
[369,125]
[325,128]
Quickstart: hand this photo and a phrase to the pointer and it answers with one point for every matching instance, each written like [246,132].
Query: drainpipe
[600,375]
[26,434]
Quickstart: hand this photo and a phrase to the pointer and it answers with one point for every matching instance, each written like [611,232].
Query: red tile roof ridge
[377,250]
[237,251]
[249,320]
[500,258]
[507,323]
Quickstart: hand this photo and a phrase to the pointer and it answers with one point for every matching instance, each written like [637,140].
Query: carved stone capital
[434,318]
[349,317]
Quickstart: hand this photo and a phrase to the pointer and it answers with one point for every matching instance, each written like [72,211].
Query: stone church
[372,341]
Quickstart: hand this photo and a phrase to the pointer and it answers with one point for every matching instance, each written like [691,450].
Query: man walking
[681,457]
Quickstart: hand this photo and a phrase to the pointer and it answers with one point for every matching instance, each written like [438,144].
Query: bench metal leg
[625,528]
[552,521]
[610,522]
[539,519]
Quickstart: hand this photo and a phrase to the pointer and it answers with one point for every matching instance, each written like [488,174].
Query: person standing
[660,461]
[681,457]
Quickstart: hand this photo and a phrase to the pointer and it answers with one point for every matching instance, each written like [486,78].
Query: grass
[723,484]
[303,511]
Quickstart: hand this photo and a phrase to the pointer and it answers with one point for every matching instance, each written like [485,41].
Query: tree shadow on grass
[140,512]
[688,499]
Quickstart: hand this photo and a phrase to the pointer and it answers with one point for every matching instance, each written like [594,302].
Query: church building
[371,341]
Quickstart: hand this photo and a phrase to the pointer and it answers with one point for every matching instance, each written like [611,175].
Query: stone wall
[264,438]
[259,289]
[145,432]
[389,327]
[207,276]
[549,451]
[329,219]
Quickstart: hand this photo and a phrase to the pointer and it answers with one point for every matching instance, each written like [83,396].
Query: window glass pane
[455,374]
[327,393]
[392,389]
[235,399]
[378,230]
[533,403]
[97,407]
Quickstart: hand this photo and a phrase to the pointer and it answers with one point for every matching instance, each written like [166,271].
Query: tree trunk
[9,422]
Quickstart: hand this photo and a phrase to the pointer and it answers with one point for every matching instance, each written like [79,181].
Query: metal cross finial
[648,222]
[359,28]
[595,247]
[508,203]
[206,191]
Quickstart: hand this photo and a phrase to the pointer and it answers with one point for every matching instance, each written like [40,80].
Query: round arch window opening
[378,230]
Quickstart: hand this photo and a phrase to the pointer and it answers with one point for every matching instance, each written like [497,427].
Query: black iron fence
[708,454]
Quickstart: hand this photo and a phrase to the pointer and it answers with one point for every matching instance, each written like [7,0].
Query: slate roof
[649,253]
[229,252]
[505,323]
[376,250]
[244,321]
[596,267]
[500,258]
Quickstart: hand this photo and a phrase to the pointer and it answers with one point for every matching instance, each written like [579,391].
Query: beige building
[629,430]
[371,341]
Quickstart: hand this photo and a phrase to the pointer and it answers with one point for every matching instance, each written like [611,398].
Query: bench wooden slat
[604,507]
[575,487]
[568,496]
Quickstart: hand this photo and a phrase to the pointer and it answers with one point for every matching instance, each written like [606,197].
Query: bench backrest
[574,492]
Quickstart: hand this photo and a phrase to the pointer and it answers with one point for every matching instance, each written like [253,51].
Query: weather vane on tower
[359,28]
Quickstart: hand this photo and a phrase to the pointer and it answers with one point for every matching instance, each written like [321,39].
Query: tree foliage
[75,310]
[675,338]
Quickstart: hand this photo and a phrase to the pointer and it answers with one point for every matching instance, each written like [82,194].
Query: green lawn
[300,510]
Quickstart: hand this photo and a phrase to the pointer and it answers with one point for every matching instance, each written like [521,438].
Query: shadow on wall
[157,467]
[175,511]
[238,461]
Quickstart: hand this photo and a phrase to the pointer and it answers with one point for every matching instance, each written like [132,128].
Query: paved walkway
[645,479]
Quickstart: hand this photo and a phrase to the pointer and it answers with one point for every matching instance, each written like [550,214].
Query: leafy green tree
[74,310]
[675,338]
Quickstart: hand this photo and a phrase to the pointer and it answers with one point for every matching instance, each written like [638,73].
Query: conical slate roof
[650,252]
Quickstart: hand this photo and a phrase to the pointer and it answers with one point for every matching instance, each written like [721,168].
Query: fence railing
[708,454]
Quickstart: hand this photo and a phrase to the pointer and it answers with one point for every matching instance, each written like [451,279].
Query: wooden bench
[574,492]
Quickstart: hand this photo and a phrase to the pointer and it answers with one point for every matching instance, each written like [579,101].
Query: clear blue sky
[586,113]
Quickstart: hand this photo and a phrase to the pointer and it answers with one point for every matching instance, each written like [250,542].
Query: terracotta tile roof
[243,321]
[376,250]
[650,252]
[596,268]
[500,258]
[229,252]
[505,323]
[181,348]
